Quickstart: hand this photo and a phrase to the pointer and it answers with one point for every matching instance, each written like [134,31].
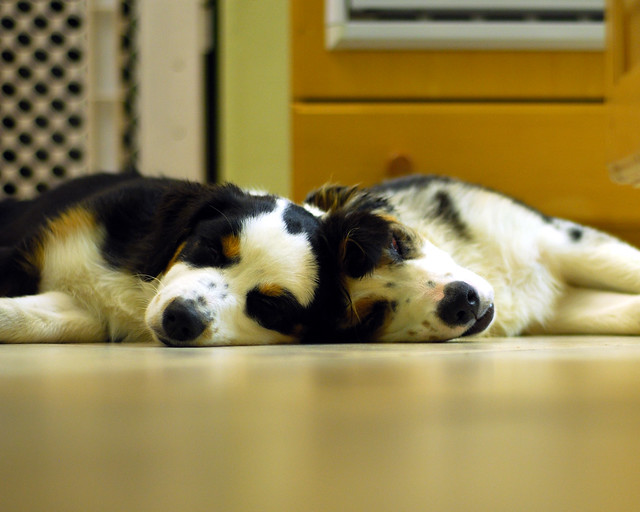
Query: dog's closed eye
[403,245]
[397,247]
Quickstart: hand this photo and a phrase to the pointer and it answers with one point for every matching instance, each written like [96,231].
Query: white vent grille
[465,24]
[66,75]
[43,130]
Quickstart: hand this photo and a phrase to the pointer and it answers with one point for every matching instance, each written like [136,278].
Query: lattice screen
[57,118]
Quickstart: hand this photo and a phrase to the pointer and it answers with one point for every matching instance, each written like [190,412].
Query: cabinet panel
[623,137]
[321,74]
[551,156]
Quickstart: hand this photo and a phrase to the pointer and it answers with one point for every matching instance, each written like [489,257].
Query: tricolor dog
[428,258]
[126,258]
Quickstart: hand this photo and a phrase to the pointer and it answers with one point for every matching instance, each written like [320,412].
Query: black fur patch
[576,234]
[447,212]
[298,220]
[282,313]
[357,240]
[17,277]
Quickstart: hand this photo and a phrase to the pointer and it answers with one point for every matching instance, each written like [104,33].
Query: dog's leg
[588,311]
[591,259]
[51,317]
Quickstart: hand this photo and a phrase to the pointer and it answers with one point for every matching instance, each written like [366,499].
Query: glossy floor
[518,424]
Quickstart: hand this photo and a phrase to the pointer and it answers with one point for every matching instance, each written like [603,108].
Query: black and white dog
[121,257]
[428,258]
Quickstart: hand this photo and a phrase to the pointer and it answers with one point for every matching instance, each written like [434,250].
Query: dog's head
[397,286]
[238,268]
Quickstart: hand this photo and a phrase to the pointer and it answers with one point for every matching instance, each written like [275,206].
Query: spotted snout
[462,306]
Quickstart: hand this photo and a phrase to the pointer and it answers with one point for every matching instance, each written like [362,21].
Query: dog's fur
[427,258]
[126,258]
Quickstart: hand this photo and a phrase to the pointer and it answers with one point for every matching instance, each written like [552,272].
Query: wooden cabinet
[532,124]
[519,149]
[623,52]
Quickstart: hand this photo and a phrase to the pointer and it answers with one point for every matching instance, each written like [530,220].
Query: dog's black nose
[182,322]
[460,304]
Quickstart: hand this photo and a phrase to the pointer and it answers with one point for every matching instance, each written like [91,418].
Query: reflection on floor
[536,424]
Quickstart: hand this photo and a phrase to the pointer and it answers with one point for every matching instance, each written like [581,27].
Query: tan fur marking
[330,197]
[343,245]
[271,290]
[360,309]
[175,256]
[59,228]
[389,218]
[231,246]
[70,222]
[364,306]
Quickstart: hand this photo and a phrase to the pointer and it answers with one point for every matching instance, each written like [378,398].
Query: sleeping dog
[126,258]
[428,258]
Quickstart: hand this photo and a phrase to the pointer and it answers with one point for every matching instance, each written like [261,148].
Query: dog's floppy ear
[356,240]
[179,211]
[330,197]
[189,203]
[333,198]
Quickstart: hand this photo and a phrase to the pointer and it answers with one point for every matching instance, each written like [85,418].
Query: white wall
[172,41]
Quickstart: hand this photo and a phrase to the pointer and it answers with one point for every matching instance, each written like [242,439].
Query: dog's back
[20,219]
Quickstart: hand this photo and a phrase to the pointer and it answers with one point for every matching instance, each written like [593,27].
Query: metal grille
[43,136]
[465,24]
[478,10]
